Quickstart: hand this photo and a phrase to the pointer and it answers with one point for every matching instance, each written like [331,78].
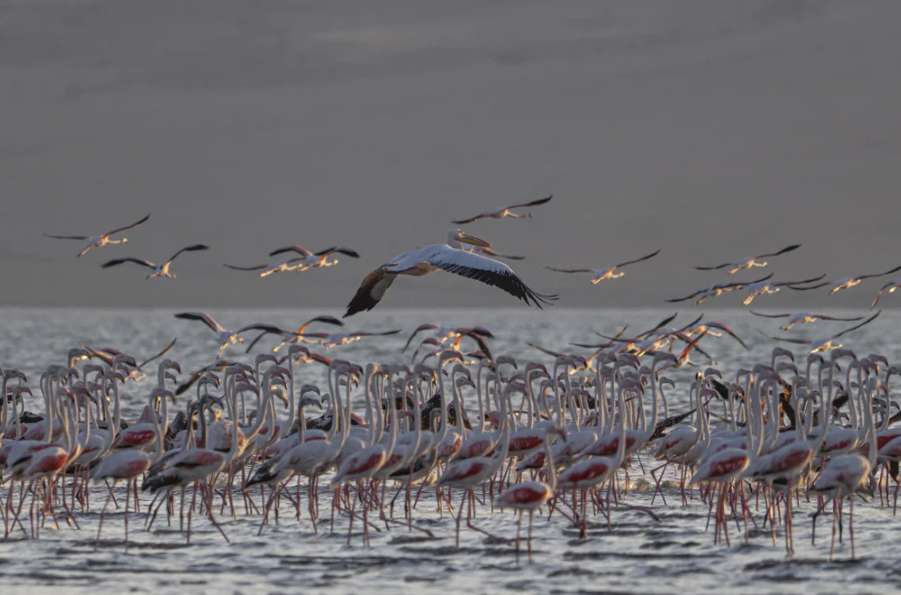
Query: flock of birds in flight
[578,423]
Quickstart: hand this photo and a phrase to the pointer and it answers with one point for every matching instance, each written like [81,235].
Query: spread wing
[488,271]
[201,317]
[762,315]
[374,334]
[323,319]
[160,354]
[857,326]
[894,270]
[339,250]
[688,297]
[297,249]
[370,292]
[192,248]
[784,283]
[839,318]
[258,267]
[534,203]
[47,235]
[135,224]
[643,258]
[419,329]
[787,339]
[471,219]
[714,268]
[266,328]
[569,270]
[780,252]
[118,261]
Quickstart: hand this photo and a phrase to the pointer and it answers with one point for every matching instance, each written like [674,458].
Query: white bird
[505,212]
[889,287]
[599,275]
[803,318]
[717,290]
[771,287]
[848,282]
[161,270]
[101,240]
[449,257]
[283,266]
[824,343]
[309,260]
[223,336]
[748,263]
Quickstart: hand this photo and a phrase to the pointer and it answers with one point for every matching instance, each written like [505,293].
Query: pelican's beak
[472,240]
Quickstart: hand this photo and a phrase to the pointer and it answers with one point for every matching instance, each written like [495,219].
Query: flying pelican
[289,337]
[848,282]
[226,337]
[161,270]
[824,343]
[717,290]
[604,274]
[311,260]
[889,287]
[803,318]
[449,257]
[101,240]
[505,212]
[770,287]
[748,263]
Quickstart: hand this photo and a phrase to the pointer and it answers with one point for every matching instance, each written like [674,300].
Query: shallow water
[639,555]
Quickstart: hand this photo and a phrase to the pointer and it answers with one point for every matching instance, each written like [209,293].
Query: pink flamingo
[531,495]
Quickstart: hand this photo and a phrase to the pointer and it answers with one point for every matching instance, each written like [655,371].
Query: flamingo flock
[561,440]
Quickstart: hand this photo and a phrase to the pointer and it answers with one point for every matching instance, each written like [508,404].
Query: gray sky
[713,130]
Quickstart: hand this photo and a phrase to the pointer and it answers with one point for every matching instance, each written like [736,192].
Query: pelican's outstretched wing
[370,292]
[488,271]
[202,317]
[643,258]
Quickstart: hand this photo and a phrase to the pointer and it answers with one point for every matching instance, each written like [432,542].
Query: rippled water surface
[639,555]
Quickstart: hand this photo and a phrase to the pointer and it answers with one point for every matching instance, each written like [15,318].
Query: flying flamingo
[102,239]
[503,212]
[157,270]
